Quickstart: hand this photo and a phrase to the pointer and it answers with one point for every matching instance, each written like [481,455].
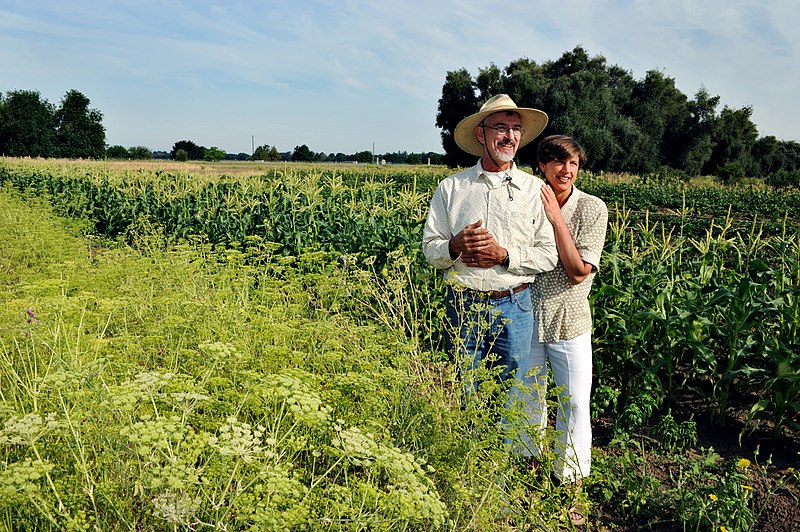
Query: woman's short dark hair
[558,148]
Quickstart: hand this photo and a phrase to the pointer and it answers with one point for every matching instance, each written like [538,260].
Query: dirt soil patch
[777,506]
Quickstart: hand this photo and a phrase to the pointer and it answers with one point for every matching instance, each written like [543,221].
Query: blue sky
[342,76]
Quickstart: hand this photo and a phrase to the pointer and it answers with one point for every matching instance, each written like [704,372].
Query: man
[487,230]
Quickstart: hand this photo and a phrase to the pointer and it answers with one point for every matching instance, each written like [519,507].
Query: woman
[563,322]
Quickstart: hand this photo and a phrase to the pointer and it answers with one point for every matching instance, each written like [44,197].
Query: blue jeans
[494,331]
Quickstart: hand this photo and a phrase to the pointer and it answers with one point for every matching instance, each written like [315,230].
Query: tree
[79,130]
[302,154]
[580,102]
[193,151]
[117,152]
[734,139]
[633,149]
[664,114]
[698,132]
[363,156]
[181,155]
[266,153]
[787,155]
[580,94]
[260,153]
[526,83]
[489,81]
[399,157]
[433,158]
[26,125]
[457,102]
[213,154]
[140,153]
[771,155]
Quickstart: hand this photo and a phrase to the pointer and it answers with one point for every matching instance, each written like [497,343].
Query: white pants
[571,364]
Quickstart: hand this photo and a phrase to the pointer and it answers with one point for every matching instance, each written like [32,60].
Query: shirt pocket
[518,224]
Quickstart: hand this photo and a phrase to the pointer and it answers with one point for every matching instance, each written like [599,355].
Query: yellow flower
[746,487]
[712,497]
[723,529]
[744,463]
[790,470]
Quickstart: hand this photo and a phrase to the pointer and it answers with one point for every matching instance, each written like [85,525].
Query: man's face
[501,146]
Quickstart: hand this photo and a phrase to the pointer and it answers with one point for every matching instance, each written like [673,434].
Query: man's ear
[479,134]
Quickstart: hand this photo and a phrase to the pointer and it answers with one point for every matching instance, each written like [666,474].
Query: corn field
[697,296]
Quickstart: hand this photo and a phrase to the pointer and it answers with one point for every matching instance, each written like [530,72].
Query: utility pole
[252,146]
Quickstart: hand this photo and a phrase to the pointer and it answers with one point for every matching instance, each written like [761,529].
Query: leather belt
[497,294]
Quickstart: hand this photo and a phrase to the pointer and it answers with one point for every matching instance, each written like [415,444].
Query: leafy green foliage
[193,151]
[675,435]
[627,125]
[140,153]
[213,154]
[458,101]
[266,153]
[117,152]
[703,493]
[302,154]
[784,178]
[79,130]
[32,127]
[27,125]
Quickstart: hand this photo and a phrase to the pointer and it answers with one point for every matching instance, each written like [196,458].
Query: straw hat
[533,123]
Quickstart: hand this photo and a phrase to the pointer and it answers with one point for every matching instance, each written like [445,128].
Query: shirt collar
[572,200]
[478,171]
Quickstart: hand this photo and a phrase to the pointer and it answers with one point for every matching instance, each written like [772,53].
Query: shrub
[784,178]
[730,172]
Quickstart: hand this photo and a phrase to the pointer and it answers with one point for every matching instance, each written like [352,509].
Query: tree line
[30,126]
[626,125]
[187,150]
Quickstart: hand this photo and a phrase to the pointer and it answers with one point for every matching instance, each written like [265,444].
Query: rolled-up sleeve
[592,235]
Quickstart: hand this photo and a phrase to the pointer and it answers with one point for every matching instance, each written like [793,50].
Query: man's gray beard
[506,158]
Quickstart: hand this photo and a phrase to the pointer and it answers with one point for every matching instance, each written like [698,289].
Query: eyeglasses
[502,129]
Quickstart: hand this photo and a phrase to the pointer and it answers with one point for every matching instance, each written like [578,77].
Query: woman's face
[560,175]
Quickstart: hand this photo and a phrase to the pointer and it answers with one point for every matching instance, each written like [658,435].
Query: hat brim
[533,123]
